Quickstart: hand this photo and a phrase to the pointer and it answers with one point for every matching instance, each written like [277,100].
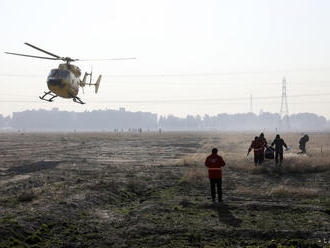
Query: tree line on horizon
[122,120]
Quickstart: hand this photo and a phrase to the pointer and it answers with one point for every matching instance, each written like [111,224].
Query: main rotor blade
[41,50]
[104,59]
[32,56]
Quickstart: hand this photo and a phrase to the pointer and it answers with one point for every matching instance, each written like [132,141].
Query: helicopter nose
[55,82]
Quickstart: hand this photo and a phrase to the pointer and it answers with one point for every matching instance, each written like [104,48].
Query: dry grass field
[152,190]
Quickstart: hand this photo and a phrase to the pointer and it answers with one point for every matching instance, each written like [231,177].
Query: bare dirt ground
[151,190]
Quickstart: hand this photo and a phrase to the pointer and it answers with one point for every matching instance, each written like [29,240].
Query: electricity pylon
[284,112]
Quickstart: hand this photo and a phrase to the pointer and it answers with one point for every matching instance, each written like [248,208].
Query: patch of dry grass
[195,175]
[243,190]
[292,164]
[196,159]
[304,164]
[290,191]
[240,162]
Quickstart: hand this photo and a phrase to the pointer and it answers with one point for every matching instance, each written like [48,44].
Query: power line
[219,73]
[200,74]
[311,82]
[216,99]
[204,100]
[20,75]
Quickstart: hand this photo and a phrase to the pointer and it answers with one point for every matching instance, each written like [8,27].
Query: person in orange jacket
[214,162]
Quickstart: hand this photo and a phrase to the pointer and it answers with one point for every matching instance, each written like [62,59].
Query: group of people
[259,144]
[214,162]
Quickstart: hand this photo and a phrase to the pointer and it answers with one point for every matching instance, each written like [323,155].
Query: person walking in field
[302,144]
[279,143]
[214,162]
[258,150]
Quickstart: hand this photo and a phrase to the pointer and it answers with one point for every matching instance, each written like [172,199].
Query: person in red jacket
[214,162]
[258,148]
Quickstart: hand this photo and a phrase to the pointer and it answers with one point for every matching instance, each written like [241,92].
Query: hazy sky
[193,56]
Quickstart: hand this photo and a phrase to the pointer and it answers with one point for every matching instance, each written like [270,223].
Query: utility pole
[251,105]
[284,112]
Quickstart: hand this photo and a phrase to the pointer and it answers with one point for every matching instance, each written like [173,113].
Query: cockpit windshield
[57,73]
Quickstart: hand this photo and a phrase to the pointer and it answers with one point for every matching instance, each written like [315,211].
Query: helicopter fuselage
[63,81]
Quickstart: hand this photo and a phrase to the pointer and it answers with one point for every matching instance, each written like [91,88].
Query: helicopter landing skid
[52,96]
[78,100]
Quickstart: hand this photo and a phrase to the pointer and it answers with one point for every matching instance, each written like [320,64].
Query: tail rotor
[90,75]
[97,84]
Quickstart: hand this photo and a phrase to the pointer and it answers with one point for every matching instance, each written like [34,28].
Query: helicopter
[64,81]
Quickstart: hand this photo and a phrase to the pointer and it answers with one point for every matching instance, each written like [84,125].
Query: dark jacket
[263,141]
[279,143]
[304,140]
